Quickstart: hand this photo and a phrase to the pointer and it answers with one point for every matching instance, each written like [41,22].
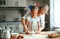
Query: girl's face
[34,12]
[41,11]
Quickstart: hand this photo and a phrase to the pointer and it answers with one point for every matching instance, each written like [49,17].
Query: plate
[15,34]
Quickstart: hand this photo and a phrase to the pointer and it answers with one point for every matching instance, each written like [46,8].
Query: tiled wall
[17,26]
[10,14]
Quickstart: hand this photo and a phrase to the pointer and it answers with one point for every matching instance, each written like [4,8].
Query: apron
[34,24]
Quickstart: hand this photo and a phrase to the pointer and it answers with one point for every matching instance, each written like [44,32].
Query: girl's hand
[28,32]
[37,32]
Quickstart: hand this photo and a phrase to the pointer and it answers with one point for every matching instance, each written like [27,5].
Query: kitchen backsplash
[17,26]
[10,14]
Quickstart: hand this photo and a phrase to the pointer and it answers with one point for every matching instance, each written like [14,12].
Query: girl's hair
[33,7]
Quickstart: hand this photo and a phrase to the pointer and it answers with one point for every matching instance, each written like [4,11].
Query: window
[57,13]
[54,13]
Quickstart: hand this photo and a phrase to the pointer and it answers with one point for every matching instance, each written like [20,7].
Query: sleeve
[23,17]
[28,18]
[26,14]
[43,20]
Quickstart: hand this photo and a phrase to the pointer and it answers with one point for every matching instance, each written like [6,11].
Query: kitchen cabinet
[10,3]
[16,3]
[22,3]
[3,3]
[13,3]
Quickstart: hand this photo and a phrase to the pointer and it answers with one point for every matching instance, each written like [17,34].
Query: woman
[41,14]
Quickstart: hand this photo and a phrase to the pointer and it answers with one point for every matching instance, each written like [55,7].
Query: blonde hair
[44,7]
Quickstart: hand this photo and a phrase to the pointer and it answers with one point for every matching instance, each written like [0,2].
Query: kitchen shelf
[13,8]
[10,21]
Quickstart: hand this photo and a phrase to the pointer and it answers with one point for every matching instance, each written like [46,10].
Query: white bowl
[57,31]
[14,33]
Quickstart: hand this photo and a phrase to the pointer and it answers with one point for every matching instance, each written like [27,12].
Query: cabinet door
[21,3]
[11,3]
[3,3]
[16,3]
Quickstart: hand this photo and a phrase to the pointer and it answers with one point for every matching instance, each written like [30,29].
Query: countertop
[42,35]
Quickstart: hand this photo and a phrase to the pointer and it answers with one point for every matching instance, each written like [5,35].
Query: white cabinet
[10,3]
[22,3]
[16,3]
[13,3]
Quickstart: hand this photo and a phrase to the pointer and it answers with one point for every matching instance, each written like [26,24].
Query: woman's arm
[39,28]
[43,21]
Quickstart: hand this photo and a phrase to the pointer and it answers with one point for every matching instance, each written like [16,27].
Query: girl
[33,22]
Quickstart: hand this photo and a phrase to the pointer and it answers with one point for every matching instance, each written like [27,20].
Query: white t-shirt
[33,22]
[42,19]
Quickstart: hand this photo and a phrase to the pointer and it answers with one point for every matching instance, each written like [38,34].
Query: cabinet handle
[16,3]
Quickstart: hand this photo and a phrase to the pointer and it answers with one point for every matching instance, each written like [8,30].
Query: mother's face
[41,11]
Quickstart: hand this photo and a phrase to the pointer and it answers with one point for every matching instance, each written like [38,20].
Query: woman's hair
[44,7]
[41,7]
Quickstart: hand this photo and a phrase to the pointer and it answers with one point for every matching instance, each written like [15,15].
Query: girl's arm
[27,24]
[23,21]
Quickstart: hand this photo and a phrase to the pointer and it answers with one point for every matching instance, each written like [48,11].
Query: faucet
[5,27]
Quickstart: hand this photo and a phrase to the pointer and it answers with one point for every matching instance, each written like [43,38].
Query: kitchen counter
[42,35]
